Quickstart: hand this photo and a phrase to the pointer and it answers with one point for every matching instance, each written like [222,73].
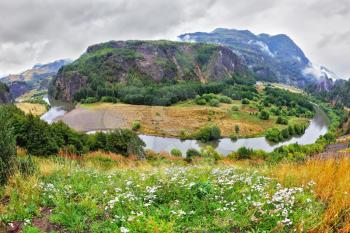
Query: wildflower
[124,230]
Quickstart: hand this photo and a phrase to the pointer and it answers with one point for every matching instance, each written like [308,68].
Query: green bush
[274,135]
[245,101]
[264,115]
[214,103]
[237,129]
[122,141]
[89,100]
[176,152]
[285,133]
[233,137]
[282,120]
[192,153]
[225,99]
[210,152]
[136,125]
[109,99]
[200,101]
[235,108]
[208,133]
[244,153]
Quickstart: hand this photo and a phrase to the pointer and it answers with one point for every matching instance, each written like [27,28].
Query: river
[318,126]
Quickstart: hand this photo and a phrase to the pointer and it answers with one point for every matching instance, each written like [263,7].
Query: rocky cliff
[5,96]
[154,62]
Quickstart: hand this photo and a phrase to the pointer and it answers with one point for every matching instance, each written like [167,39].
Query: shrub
[136,125]
[264,115]
[237,129]
[192,153]
[233,137]
[235,108]
[109,99]
[245,101]
[122,141]
[208,133]
[214,103]
[89,100]
[285,133]
[225,99]
[210,152]
[176,152]
[244,153]
[273,135]
[200,101]
[282,120]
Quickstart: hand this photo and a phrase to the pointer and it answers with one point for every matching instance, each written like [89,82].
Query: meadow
[185,117]
[110,193]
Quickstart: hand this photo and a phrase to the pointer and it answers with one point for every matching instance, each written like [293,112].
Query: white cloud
[69,26]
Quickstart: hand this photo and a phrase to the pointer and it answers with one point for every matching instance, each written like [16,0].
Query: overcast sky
[39,31]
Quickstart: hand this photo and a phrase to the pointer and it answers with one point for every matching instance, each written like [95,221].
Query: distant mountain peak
[274,58]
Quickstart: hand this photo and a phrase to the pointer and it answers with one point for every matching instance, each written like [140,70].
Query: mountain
[5,96]
[275,58]
[36,78]
[105,65]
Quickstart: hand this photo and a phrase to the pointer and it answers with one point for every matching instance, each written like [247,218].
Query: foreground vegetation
[105,193]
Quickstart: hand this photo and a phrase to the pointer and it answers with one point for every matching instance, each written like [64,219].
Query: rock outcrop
[156,62]
[5,96]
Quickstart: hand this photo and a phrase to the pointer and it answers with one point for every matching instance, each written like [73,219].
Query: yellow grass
[35,109]
[332,178]
[288,88]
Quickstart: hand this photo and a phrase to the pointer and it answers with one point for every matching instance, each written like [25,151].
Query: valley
[222,132]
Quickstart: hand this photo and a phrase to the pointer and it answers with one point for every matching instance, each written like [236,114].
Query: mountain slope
[272,58]
[5,96]
[36,78]
[138,62]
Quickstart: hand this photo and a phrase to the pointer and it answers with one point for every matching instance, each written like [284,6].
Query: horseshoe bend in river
[318,126]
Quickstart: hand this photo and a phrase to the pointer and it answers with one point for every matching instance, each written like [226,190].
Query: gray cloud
[40,31]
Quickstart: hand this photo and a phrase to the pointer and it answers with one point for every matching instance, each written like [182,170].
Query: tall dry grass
[332,187]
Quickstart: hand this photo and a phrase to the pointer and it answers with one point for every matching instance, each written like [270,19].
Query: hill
[116,68]
[275,58]
[36,78]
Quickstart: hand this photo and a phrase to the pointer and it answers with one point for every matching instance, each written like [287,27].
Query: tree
[7,148]
[264,115]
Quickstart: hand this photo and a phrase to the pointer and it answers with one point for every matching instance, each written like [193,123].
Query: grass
[172,121]
[109,193]
[35,109]
[331,180]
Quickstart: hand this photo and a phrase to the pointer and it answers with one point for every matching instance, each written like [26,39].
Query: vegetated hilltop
[274,58]
[139,68]
[5,96]
[36,78]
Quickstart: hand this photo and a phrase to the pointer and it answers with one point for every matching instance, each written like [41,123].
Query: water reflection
[318,126]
